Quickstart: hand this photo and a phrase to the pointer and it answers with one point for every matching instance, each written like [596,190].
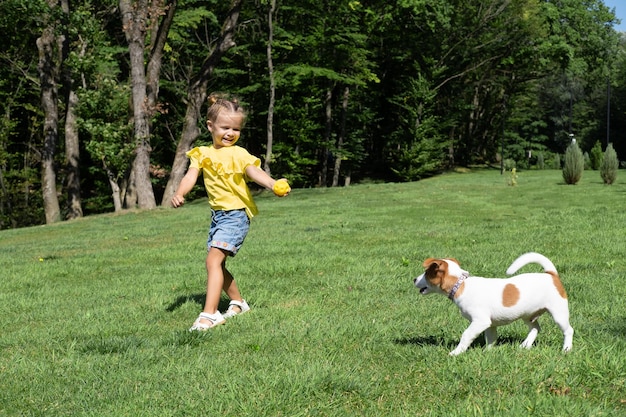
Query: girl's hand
[281,187]
[177,201]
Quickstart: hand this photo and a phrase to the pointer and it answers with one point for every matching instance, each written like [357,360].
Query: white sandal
[232,312]
[213,320]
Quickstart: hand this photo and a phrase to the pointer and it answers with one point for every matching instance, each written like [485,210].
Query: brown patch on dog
[436,270]
[510,295]
[558,285]
[437,274]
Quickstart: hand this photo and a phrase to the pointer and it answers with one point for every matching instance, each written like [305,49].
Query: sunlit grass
[94,313]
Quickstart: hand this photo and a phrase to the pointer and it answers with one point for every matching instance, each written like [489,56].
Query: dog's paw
[456,352]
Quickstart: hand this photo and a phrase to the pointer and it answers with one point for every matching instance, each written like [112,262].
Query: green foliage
[509,164]
[541,164]
[574,164]
[333,330]
[421,160]
[512,177]
[596,156]
[609,166]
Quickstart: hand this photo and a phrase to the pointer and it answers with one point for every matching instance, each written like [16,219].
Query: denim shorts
[228,230]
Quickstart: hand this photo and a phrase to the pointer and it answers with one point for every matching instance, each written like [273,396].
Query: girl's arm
[186,185]
[261,177]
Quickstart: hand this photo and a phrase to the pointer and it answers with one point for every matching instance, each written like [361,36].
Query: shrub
[512,180]
[587,160]
[609,165]
[509,164]
[596,156]
[540,161]
[556,162]
[574,164]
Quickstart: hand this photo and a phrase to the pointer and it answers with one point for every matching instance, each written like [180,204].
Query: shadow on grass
[193,298]
[451,344]
[617,327]
[426,341]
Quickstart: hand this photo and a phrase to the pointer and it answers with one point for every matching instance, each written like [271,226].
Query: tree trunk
[48,75]
[327,133]
[72,158]
[115,188]
[158,41]
[342,135]
[134,20]
[5,200]
[196,95]
[270,107]
[72,148]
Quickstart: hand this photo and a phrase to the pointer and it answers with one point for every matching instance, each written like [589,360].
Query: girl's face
[226,128]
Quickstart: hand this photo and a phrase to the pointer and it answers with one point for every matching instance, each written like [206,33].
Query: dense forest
[99,101]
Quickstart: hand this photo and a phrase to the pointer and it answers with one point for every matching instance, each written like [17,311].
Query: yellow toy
[281,187]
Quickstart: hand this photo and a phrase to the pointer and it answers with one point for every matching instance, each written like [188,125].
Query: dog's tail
[530,258]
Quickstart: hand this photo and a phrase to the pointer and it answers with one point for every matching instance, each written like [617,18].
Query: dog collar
[457,285]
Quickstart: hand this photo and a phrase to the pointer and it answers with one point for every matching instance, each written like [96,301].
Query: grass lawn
[94,313]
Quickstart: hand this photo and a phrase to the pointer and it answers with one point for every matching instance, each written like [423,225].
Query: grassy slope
[94,312]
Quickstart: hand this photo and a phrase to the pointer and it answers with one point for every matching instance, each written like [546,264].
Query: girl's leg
[215,279]
[230,286]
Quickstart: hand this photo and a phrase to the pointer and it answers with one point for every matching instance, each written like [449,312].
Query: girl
[226,169]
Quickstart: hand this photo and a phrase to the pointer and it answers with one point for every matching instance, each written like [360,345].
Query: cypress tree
[574,164]
[609,165]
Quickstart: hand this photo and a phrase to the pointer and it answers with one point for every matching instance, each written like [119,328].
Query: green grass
[94,313]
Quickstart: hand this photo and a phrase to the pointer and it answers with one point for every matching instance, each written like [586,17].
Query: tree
[609,166]
[574,164]
[272,87]
[72,142]
[50,46]
[139,18]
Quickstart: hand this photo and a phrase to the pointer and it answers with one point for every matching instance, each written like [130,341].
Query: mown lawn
[94,313]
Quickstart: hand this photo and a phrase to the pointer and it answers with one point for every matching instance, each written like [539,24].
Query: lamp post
[608,110]
[502,136]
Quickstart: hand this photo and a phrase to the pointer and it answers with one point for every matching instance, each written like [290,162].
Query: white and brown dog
[491,302]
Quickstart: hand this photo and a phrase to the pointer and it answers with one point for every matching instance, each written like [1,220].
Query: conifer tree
[609,165]
[574,164]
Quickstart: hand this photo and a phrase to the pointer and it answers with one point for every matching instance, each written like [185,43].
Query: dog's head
[440,274]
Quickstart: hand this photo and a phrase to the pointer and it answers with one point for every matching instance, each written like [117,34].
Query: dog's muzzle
[416,282]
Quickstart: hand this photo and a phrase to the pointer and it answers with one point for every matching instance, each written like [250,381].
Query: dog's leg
[561,318]
[534,330]
[470,334]
[491,335]
[568,336]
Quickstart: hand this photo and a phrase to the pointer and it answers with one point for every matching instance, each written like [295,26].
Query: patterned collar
[457,285]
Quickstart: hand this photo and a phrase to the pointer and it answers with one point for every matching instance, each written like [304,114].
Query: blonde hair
[219,102]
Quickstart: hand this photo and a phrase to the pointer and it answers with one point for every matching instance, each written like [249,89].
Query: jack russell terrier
[491,302]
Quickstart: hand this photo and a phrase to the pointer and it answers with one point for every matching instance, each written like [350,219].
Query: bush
[587,160]
[540,161]
[509,164]
[574,164]
[596,156]
[609,165]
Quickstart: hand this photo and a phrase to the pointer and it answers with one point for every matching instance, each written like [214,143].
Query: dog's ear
[430,261]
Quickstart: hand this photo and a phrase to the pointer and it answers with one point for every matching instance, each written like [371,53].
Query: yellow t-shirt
[225,179]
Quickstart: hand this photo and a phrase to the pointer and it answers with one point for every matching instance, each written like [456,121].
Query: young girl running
[226,169]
